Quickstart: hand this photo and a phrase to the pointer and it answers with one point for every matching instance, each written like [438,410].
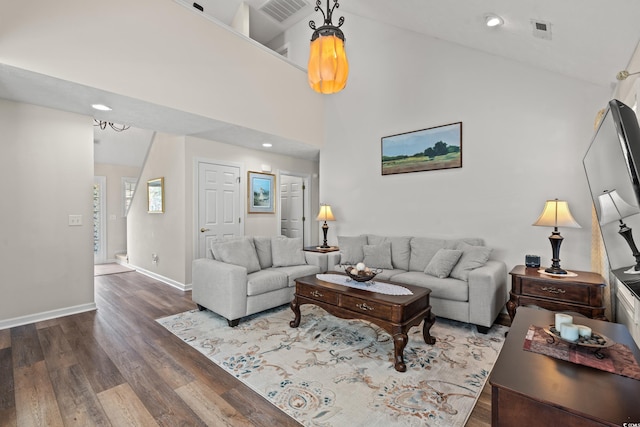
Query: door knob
[202,230]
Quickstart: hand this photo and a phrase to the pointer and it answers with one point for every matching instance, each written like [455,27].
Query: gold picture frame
[155,195]
[261,193]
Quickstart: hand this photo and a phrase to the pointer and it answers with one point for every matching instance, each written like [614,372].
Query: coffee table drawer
[323,295]
[368,307]
[558,291]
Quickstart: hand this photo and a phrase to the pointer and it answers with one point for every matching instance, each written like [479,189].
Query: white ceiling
[591,40]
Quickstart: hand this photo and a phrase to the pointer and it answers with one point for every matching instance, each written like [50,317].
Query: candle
[569,332]
[562,318]
[584,331]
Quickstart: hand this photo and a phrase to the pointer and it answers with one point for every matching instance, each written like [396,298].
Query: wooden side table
[320,249]
[583,293]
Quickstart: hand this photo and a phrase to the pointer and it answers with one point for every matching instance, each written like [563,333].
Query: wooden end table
[583,293]
[396,314]
[536,390]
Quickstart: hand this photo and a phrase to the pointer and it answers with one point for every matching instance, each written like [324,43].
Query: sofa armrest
[220,287]
[318,259]
[487,292]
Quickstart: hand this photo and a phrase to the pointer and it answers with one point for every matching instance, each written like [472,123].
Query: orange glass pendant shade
[328,67]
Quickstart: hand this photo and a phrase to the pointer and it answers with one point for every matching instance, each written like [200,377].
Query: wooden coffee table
[396,314]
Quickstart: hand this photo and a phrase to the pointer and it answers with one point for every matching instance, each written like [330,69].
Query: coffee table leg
[399,343]
[429,320]
[296,310]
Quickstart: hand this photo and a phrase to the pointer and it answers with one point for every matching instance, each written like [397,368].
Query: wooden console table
[536,390]
[582,293]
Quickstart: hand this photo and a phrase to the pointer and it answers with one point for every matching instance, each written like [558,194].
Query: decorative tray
[596,340]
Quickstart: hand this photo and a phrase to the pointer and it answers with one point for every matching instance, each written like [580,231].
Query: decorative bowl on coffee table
[362,276]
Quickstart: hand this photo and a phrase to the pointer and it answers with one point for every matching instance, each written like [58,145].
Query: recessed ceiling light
[100,107]
[266,144]
[492,20]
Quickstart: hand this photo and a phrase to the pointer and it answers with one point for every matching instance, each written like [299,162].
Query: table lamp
[614,208]
[556,214]
[325,215]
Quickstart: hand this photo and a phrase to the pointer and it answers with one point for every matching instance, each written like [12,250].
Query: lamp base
[555,270]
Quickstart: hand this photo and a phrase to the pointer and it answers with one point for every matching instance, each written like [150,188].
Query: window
[128,190]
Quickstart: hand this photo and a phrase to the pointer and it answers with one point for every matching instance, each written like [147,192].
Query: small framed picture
[261,192]
[155,195]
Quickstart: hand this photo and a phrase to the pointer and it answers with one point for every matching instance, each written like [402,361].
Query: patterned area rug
[336,372]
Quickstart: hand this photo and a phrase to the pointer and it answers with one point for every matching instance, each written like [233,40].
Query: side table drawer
[367,307]
[319,295]
[570,292]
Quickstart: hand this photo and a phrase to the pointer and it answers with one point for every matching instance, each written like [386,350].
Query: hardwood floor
[117,366]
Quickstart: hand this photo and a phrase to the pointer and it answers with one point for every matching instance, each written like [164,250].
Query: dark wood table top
[418,292]
[578,389]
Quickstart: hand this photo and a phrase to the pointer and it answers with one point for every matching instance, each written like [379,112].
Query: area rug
[336,372]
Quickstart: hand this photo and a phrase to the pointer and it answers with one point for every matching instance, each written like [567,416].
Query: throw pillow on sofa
[263,250]
[472,258]
[377,256]
[443,262]
[351,249]
[423,249]
[287,251]
[237,251]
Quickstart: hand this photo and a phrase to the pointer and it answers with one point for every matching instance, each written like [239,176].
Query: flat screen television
[611,165]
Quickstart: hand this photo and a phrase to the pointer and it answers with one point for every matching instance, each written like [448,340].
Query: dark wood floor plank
[78,403]
[36,403]
[55,348]
[210,407]
[258,410]
[25,346]
[124,408]
[7,397]
[5,338]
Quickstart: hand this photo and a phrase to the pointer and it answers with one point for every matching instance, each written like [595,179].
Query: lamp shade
[556,213]
[325,214]
[328,67]
[614,208]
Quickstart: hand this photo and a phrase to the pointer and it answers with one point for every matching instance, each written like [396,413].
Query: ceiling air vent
[281,10]
[541,29]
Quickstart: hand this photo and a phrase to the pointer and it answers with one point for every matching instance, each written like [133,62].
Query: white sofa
[465,284]
[251,274]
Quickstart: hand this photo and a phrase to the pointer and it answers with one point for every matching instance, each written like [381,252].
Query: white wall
[525,132]
[115,219]
[160,233]
[160,52]
[46,174]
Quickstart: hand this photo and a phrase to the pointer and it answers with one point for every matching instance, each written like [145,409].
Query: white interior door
[293,207]
[219,210]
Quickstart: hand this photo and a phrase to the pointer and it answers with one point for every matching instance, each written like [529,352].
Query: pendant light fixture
[328,68]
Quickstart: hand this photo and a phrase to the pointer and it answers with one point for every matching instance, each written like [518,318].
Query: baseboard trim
[163,279]
[46,315]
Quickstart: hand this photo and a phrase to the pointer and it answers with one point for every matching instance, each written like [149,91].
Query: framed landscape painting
[261,192]
[429,149]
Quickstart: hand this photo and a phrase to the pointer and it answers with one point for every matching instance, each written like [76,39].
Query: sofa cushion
[377,256]
[443,262]
[351,248]
[400,249]
[448,289]
[287,251]
[472,258]
[238,251]
[263,250]
[422,250]
[295,271]
[264,281]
